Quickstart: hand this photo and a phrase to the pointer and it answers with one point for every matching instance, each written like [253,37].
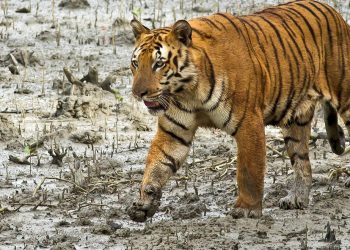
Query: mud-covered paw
[238,213]
[147,206]
[245,210]
[292,201]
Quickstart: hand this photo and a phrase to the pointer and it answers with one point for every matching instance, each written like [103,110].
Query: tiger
[239,74]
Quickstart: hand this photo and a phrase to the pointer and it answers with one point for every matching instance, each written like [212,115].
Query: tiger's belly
[298,108]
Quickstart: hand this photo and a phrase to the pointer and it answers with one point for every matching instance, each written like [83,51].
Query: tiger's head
[161,64]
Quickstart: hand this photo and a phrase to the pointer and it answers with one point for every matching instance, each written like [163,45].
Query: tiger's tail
[335,133]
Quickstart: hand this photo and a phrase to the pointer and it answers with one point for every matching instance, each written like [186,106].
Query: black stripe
[202,34]
[261,47]
[287,107]
[310,56]
[174,165]
[175,61]
[302,35]
[304,157]
[239,124]
[290,32]
[211,77]
[280,80]
[170,76]
[158,44]
[302,124]
[332,12]
[317,20]
[229,117]
[176,137]
[310,29]
[347,123]
[177,123]
[223,26]
[278,34]
[170,54]
[252,28]
[179,89]
[251,54]
[170,165]
[235,131]
[305,84]
[210,22]
[266,61]
[230,21]
[186,79]
[216,105]
[186,63]
[291,91]
[178,105]
[260,28]
[330,40]
[312,13]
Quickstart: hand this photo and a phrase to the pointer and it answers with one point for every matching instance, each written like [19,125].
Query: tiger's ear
[138,28]
[183,32]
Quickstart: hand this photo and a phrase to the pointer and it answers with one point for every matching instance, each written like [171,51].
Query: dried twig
[57,155]
[58,179]
[276,151]
[22,161]
[71,78]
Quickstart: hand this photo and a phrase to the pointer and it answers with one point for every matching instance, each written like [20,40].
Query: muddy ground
[99,141]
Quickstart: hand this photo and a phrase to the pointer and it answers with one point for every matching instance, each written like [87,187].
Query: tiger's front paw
[293,201]
[147,206]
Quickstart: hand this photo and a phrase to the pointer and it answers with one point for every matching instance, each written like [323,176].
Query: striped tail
[335,133]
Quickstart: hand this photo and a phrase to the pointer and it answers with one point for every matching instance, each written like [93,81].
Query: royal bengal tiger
[240,74]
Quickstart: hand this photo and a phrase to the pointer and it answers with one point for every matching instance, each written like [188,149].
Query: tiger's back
[295,53]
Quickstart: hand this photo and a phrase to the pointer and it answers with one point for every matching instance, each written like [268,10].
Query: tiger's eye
[159,64]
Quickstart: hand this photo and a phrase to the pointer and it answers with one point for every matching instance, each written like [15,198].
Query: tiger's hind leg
[296,137]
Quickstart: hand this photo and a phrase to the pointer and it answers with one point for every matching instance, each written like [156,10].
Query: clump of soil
[81,107]
[274,194]
[189,211]
[21,56]
[87,137]
[46,36]
[23,10]
[4,227]
[8,131]
[74,4]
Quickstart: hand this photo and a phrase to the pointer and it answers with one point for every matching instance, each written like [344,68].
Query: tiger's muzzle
[156,103]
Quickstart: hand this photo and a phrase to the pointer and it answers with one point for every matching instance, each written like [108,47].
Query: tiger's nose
[139,92]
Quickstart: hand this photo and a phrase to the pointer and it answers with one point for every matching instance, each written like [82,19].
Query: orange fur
[239,74]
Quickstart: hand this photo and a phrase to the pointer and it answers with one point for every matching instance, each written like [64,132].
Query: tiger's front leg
[168,151]
[250,139]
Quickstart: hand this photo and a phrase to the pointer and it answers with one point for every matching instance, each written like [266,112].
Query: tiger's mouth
[155,107]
